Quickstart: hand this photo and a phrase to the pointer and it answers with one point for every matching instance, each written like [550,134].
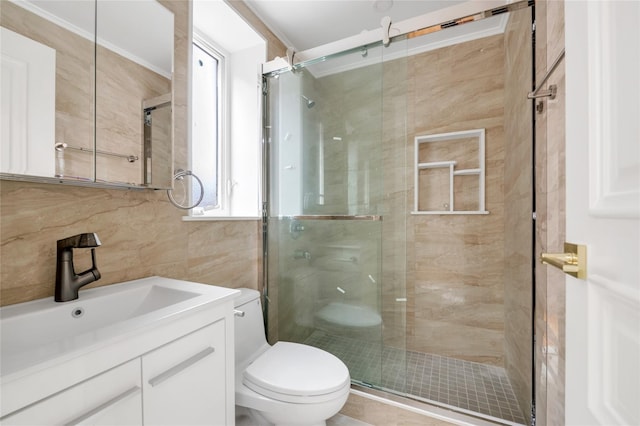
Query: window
[206,137]
[225,105]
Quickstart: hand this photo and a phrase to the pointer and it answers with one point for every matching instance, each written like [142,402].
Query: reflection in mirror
[157,142]
[73,109]
[134,64]
[47,87]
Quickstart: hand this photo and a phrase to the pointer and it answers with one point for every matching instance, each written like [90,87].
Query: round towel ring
[179,176]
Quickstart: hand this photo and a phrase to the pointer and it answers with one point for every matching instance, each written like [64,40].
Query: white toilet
[284,384]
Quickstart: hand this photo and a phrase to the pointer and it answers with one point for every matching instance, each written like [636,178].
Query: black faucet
[67,281]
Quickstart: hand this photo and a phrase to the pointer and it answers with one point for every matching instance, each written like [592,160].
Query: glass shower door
[326,203]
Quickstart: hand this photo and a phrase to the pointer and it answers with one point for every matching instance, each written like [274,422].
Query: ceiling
[303,24]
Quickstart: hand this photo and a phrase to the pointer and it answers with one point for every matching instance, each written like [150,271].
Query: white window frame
[224,158]
[241,111]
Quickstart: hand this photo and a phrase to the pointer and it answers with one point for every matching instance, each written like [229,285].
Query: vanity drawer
[184,381]
[113,397]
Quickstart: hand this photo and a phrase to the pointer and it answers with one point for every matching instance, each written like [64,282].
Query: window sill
[218,218]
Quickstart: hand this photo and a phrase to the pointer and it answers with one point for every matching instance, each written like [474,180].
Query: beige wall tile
[550,193]
[455,263]
[518,291]
[141,232]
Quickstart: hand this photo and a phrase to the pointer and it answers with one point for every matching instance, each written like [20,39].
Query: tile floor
[450,382]
[342,420]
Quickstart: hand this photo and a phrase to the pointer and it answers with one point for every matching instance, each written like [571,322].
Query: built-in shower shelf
[445,212]
[436,165]
[466,172]
[450,173]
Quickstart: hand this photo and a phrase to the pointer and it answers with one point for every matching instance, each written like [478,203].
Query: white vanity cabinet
[111,398]
[169,362]
[184,381]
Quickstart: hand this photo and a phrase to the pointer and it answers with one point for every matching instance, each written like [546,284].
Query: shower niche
[450,173]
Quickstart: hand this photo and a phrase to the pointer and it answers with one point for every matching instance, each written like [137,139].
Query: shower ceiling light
[382,5]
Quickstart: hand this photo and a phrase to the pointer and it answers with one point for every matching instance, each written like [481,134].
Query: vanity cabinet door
[111,398]
[184,381]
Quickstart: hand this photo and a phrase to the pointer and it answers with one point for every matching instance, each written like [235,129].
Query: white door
[603,211]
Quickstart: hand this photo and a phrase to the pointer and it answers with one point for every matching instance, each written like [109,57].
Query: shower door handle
[572,262]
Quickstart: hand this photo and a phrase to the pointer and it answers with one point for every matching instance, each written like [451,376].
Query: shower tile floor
[481,389]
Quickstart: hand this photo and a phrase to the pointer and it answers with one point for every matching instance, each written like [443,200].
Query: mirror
[157,161]
[76,77]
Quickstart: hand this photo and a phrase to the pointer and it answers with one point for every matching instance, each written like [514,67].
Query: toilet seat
[296,373]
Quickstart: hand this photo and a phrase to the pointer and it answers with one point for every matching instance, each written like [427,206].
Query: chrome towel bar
[551,93]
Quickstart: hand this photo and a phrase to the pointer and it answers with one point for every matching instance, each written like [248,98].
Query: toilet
[284,384]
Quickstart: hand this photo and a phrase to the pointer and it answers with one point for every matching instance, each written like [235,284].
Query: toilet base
[248,417]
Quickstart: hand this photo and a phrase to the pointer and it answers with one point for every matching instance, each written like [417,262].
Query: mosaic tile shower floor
[475,387]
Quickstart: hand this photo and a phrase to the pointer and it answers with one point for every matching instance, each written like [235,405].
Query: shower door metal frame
[266,181]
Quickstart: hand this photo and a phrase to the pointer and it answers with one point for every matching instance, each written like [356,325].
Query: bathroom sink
[38,332]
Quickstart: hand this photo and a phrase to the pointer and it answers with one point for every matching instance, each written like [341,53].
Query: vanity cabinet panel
[184,382]
[111,398]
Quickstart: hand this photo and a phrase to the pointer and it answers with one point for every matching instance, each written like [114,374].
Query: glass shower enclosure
[398,199]
[332,246]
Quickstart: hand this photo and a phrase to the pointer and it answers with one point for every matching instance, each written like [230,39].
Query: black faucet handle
[94,269]
[87,240]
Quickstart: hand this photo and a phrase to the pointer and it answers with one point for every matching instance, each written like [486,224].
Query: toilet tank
[249,328]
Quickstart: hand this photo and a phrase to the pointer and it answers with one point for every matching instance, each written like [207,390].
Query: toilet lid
[299,373]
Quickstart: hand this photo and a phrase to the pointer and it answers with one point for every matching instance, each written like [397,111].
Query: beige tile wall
[550,232]
[455,263]
[142,234]
[518,291]
[74,81]
[396,200]
[122,87]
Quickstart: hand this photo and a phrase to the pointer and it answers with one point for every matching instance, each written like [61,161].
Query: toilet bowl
[287,383]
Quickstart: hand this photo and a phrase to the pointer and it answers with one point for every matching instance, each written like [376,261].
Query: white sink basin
[39,332]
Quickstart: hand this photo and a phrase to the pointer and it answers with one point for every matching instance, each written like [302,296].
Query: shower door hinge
[265,86]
